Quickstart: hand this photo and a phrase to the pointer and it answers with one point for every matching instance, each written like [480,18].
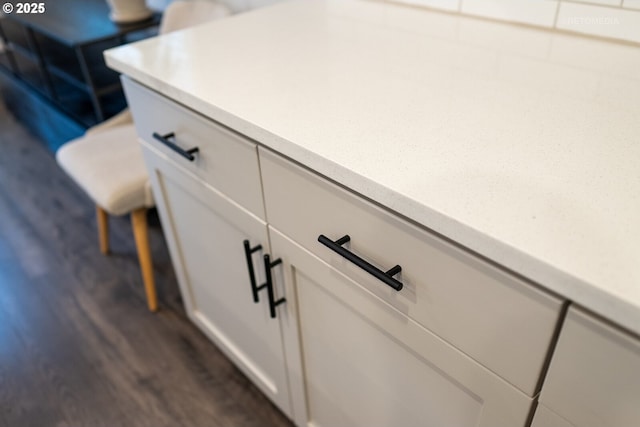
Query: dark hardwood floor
[77,344]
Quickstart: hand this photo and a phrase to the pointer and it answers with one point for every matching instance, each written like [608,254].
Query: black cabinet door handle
[384,276]
[248,252]
[268,265]
[187,154]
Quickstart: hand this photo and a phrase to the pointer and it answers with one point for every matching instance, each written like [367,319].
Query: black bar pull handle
[248,252]
[384,276]
[268,265]
[187,154]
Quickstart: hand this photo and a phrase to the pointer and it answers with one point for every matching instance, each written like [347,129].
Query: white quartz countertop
[520,144]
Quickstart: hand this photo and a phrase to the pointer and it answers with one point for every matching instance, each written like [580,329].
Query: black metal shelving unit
[57,55]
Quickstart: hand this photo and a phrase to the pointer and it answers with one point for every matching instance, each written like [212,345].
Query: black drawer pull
[248,251]
[187,154]
[385,276]
[268,265]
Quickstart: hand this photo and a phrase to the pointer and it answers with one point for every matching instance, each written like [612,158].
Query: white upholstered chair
[107,161]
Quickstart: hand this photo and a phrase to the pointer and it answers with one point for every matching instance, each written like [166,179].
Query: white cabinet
[545,417]
[366,364]
[463,343]
[594,377]
[206,231]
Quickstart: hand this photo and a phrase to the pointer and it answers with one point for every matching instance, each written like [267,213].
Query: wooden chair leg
[140,232]
[103,229]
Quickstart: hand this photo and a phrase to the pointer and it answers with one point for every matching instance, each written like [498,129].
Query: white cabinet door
[364,363]
[205,232]
[544,417]
[594,375]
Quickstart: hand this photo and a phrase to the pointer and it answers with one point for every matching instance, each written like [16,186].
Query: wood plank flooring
[77,344]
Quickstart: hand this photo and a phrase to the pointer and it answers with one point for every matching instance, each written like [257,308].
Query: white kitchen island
[517,147]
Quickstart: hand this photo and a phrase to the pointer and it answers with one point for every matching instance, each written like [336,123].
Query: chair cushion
[183,14]
[109,166]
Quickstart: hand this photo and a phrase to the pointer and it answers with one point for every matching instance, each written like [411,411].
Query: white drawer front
[224,160]
[505,324]
[594,377]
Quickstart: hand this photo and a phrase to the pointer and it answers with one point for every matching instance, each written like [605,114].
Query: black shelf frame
[72,77]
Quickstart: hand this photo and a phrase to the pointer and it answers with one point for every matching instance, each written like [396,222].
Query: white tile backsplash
[616,19]
[600,21]
[631,4]
[602,2]
[534,12]
[450,5]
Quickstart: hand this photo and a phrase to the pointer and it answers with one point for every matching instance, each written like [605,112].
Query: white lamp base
[127,11]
